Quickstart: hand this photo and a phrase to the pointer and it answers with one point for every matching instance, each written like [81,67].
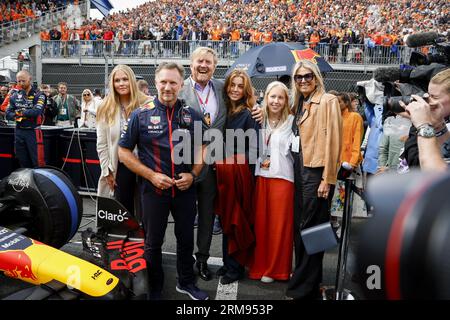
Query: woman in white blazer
[124,97]
[89,107]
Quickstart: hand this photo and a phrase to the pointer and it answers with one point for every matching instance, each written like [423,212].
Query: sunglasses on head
[307,77]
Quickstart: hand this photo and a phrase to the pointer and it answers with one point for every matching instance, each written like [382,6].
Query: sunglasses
[86,95]
[307,77]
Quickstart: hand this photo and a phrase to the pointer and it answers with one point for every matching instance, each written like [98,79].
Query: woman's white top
[88,118]
[281,161]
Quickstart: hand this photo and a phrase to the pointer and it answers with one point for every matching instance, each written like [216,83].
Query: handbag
[319,238]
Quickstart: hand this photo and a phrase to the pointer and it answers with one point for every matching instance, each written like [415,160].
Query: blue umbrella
[277,59]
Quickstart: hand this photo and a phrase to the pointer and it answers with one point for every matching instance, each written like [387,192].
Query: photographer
[50,109]
[429,119]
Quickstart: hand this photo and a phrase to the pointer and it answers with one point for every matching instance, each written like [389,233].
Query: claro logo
[120,217]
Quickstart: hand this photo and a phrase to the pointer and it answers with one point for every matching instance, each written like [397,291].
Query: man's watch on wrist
[194,176]
[426,130]
[442,131]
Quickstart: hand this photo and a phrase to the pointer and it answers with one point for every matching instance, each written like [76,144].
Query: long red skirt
[274,222]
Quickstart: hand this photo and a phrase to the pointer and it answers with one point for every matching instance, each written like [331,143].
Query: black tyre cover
[59,222]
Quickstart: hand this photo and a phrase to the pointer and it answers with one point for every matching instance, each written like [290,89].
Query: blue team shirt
[32,105]
[150,129]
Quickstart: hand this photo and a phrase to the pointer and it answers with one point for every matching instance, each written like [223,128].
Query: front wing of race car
[32,261]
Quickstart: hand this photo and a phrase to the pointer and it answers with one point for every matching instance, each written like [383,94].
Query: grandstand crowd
[20,11]
[380,21]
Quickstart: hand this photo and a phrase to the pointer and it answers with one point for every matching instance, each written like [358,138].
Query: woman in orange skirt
[274,211]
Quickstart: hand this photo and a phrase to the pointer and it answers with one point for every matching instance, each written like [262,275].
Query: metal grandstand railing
[24,28]
[92,75]
[227,50]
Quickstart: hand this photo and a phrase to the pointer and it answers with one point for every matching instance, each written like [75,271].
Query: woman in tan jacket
[316,149]
[124,97]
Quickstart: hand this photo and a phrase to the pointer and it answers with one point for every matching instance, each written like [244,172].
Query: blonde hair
[265,105]
[204,50]
[85,91]
[108,109]
[320,86]
[442,78]
[248,101]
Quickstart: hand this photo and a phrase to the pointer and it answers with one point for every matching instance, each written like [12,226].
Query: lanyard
[200,100]
[267,140]
[298,116]
[169,120]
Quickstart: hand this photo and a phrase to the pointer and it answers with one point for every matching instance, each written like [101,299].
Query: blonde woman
[112,115]
[89,107]
[316,148]
[274,192]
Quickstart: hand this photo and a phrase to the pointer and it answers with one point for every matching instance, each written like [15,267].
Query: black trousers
[206,194]
[125,189]
[307,275]
[234,269]
[156,210]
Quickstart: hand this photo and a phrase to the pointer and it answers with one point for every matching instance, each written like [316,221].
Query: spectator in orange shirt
[314,40]
[267,36]
[235,37]
[64,39]
[257,36]
[386,42]
[45,36]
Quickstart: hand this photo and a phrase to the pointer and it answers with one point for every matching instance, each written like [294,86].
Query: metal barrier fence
[80,77]
[227,50]
[24,28]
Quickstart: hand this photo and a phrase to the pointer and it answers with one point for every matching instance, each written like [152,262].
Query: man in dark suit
[205,95]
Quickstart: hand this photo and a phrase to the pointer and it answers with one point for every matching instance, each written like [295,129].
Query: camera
[401,83]
[392,104]
[403,248]
[441,55]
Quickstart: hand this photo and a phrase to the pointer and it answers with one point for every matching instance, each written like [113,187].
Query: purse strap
[298,156]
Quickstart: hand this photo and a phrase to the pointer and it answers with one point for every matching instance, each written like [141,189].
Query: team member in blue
[166,185]
[26,107]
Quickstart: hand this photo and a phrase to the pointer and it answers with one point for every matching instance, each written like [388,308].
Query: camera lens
[408,237]
[393,103]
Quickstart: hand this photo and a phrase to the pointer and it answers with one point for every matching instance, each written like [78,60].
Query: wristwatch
[194,176]
[426,130]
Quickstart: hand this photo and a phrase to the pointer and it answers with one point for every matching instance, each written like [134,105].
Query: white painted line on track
[214,261]
[224,292]
[228,291]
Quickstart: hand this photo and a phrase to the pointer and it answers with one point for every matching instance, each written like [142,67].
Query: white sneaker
[267,279]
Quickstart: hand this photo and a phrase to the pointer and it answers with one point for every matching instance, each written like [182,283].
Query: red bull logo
[305,54]
[14,261]
[16,264]
[131,256]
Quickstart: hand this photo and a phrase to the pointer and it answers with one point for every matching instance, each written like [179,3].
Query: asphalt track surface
[244,289]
